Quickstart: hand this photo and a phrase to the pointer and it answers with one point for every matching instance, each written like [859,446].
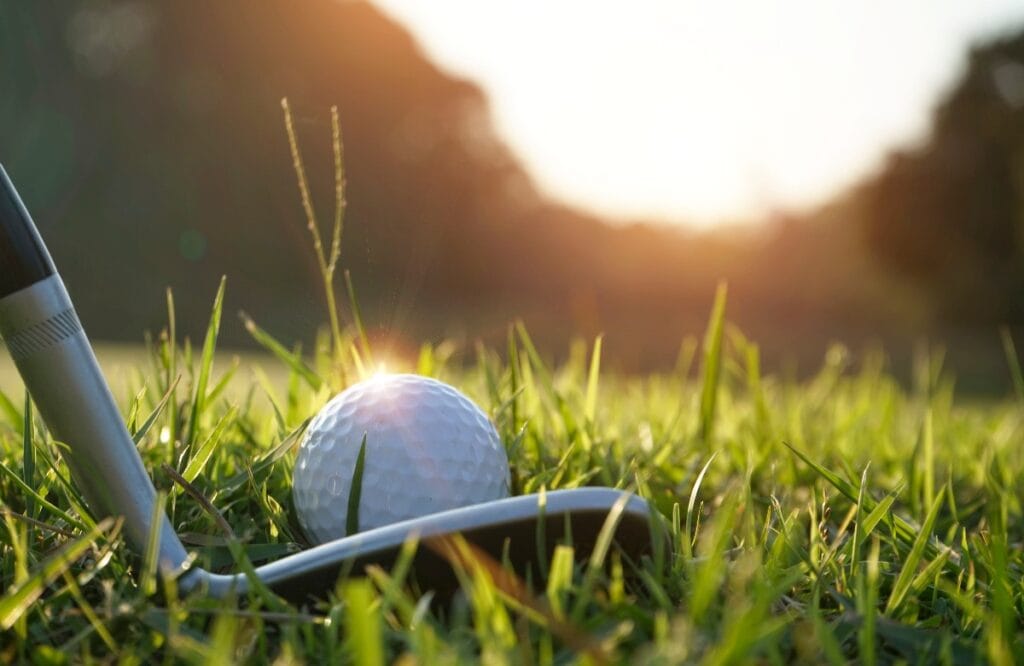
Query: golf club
[43,334]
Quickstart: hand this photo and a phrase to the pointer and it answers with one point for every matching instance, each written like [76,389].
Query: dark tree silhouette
[950,213]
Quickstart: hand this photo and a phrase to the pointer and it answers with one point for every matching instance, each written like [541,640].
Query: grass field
[844,518]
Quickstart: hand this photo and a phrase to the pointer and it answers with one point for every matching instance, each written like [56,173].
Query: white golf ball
[428,449]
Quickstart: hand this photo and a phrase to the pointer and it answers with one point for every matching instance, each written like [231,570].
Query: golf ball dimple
[428,449]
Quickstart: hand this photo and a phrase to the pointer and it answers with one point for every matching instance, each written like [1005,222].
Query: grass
[842,518]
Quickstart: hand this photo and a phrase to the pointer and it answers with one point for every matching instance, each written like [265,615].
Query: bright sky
[697,111]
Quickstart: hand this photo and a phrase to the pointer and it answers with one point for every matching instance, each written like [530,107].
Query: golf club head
[42,332]
[520,532]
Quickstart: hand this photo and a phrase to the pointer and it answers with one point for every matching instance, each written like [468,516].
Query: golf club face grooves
[23,257]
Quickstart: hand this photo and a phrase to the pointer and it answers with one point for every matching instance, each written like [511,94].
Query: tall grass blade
[205,450]
[881,510]
[327,263]
[337,145]
[363,622]
[206,364]
[28,461]
[913,558]
[150,558]
[267,460]
[172,378]
[928,458]
[689,537]
[147,425]
[1013,360]
[868,597]
[289,358]
[595,563]
[712,364]
[590,404]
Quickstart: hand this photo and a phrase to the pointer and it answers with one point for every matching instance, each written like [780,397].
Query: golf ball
[428,449]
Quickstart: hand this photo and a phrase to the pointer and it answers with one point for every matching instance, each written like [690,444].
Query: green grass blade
[1013,360]
[514,383]
[28,457]
[267,460]
[222,384]
[206,364]
[708,571]
[928,459]
[205,450]
[595,563]
[590,404]
[363,622]
[905,531]
[39,499]
[868,604]
[144,429]
[293,361]
[712,364]
[536,362]
[913,558]
[689,537]
[19,597]
[150,558]
[172,378]
[547,380]
[842,485]
[929,572]
[880,511]
[356,491]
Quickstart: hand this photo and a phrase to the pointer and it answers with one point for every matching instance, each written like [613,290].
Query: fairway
[845,517]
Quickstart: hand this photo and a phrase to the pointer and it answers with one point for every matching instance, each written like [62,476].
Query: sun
[702,112]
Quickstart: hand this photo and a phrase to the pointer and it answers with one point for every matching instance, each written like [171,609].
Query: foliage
[950,212]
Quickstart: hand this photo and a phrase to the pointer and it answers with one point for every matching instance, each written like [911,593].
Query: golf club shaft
[55,360]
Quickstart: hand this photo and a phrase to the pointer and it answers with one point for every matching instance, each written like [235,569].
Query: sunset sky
[704,111]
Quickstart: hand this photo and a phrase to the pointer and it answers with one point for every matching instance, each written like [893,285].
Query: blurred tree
[146,137]
[950,213]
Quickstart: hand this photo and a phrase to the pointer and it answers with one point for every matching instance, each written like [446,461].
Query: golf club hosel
[55,360]
[39,325]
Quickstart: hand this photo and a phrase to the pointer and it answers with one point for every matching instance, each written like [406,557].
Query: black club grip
[23,257]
